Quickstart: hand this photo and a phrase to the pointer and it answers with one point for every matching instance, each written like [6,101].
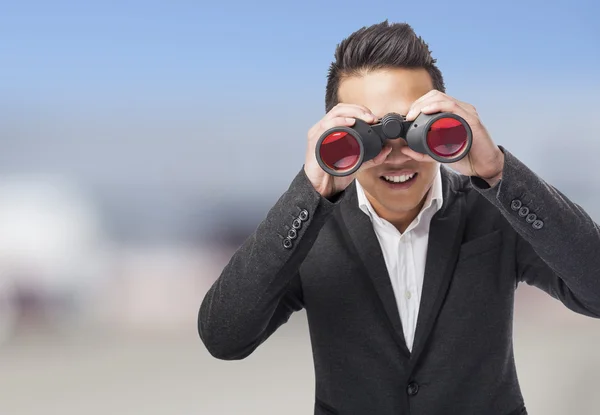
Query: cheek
[367,176]
[429,171]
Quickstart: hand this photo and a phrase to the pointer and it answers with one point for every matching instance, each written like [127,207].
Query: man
[408,292]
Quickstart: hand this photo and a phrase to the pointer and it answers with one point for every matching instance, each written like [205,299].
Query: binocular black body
[444,136]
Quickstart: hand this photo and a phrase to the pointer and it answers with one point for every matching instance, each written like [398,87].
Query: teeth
[399,179]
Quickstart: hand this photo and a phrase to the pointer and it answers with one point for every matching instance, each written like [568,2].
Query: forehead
[386,90]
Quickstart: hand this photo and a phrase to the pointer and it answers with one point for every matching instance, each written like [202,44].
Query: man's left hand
[485,159]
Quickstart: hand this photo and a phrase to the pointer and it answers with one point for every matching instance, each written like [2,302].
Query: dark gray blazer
[482,243]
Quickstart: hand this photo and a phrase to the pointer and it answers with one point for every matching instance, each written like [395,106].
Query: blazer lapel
[361,238]
[445,235]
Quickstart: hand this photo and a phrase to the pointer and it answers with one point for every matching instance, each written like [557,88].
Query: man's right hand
[340,115]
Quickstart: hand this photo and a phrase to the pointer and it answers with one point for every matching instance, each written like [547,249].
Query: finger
[379,158]
[468,107]
[431,94]
[425,158]
[417,109]
[463,109]
[351,110]
[342,107]
[435,106]
[326,124]
[413,111]
[441,105]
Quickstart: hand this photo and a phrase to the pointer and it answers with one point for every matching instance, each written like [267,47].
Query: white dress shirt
[405,254]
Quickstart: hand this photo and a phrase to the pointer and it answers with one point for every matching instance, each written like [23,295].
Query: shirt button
[413,389]
[408,295]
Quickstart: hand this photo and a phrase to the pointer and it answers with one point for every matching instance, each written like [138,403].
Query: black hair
[380,46]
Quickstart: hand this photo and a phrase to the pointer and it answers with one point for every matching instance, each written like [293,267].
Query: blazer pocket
[480,245]
[321,408]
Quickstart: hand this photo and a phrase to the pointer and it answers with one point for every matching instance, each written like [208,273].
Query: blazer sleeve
[558,243]
[259,288]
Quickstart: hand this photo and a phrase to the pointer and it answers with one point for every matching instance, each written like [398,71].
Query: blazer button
[303,215]
[292,234]
[516,205]
[413,389]
[296,224]
[287,243]
[531,218]
[524,211]
[538,224]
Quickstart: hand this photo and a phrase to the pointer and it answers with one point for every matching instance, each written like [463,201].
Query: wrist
[320,184]
[495,174]
[494,180]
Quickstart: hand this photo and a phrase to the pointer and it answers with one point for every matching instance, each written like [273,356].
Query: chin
[403,206]
[400,200]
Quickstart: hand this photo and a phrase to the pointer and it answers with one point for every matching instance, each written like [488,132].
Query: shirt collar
[433,200]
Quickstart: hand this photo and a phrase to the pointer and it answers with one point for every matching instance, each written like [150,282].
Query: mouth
[399,181]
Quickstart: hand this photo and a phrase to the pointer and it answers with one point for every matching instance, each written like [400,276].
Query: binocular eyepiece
[446,137]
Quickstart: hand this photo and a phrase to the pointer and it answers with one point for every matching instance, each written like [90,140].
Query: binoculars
[446,137]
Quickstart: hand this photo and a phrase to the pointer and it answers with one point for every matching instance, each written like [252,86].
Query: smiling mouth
[404,178]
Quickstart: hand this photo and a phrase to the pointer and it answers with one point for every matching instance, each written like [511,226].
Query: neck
[401,220]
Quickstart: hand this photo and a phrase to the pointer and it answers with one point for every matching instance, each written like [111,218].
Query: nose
[396,156]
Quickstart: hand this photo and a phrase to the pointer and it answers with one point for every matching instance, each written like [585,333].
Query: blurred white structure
[52,248]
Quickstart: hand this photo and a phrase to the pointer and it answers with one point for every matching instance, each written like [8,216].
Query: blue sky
[183,104]
[207,47]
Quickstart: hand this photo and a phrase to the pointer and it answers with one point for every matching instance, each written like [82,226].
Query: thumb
[417,156]
[379,158]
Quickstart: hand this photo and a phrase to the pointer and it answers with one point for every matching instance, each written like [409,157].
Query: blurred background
[142,142]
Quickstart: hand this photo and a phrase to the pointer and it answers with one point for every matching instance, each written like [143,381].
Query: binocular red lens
[340,150]
[447,137]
